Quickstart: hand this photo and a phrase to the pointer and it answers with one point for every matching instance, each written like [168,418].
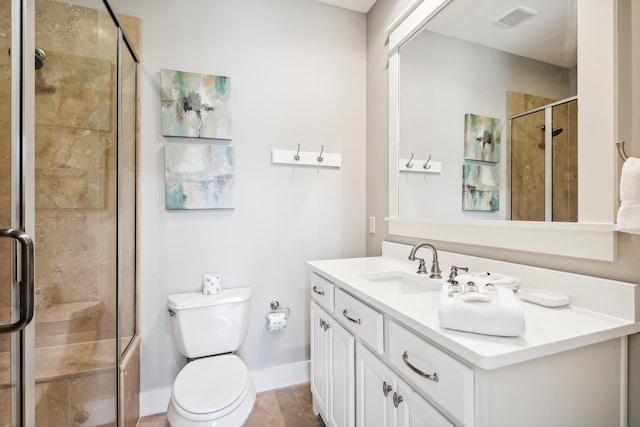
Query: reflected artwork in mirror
[487,60]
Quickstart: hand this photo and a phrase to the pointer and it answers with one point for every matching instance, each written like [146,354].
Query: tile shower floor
[283,407]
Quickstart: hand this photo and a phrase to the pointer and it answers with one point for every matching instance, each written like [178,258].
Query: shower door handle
[26,275]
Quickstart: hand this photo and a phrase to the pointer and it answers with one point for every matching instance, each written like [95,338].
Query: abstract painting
[195,105]
[482,138]
[480,188]
[198,176]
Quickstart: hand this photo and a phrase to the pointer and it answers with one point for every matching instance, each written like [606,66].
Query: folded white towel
[501,314]
[629,211]
[630,181]
[628,216]
[483,278]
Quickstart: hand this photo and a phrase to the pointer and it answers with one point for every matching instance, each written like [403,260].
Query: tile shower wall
[76,172]
[75,165]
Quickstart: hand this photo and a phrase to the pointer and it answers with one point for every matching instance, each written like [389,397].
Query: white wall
[297,72]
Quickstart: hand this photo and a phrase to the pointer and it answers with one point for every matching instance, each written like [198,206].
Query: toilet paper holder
[275,307]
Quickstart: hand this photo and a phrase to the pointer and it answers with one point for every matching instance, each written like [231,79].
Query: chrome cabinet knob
[386,388]
[397,399]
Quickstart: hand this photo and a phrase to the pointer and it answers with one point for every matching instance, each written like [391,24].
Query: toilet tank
[205,325]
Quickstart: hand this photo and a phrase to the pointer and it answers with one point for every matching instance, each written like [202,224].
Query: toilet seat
[211,387]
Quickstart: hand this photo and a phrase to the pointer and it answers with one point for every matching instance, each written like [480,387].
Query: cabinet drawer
[360,319]
[437,375]
[322,291]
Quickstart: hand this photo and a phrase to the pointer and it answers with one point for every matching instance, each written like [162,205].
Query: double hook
[296,157]
[426,164]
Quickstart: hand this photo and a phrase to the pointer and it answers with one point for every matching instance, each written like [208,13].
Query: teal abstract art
[198,176]
[480,188]
[195,105]
[482,137]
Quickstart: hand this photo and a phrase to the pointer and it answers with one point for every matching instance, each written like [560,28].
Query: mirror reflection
[487,94]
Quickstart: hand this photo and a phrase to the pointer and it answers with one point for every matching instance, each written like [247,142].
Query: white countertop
[548,330]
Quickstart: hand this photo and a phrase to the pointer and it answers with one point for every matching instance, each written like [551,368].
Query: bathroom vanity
[380,358]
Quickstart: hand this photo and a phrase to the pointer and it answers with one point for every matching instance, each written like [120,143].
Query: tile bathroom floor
[283,407]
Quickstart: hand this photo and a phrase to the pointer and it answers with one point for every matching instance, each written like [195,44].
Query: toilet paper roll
[276,321]
[211,283]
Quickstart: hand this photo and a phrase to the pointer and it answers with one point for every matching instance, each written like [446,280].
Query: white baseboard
[281,376]
[156,401]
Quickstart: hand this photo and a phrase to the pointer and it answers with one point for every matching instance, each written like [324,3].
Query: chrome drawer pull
[344,313]
[432,377]
[386,388]
[318,291]
[397,399]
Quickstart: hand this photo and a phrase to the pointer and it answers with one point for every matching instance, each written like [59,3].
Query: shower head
[40,57]
[554,132]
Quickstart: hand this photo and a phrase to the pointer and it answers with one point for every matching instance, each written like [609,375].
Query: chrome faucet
[454,273]
[436,273]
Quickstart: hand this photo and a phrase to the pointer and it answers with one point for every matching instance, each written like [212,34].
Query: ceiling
[550,36]
[357,5]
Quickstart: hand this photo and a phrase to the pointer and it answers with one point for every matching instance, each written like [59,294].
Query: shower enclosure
[544,163]
[68,102]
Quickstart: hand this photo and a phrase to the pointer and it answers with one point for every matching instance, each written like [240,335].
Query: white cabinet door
[332,370]
[319,360]
[413,411]
[376,384]
[342,377]
[400,406]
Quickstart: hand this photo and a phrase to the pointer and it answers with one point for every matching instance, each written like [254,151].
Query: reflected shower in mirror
[493,59]
[544,162]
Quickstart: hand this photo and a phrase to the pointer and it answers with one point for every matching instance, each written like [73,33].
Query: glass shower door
[76,214]
[67,177]
[16,246]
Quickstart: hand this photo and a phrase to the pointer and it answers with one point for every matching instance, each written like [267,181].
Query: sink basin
[403,283]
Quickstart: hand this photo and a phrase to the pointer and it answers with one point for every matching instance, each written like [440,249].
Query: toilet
[215,388]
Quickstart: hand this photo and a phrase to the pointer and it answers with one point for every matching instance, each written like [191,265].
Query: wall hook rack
[306,158]
[428,166]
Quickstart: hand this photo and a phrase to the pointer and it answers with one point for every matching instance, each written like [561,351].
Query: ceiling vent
[516,16]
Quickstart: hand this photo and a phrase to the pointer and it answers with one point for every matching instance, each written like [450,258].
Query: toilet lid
[210,384]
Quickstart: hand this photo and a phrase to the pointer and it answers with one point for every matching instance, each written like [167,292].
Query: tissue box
[211,283]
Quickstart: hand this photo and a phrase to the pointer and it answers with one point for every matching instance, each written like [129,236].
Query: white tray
[542,297]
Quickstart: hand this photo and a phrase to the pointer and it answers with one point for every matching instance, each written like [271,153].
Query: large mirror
[474,86]
[468,94]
